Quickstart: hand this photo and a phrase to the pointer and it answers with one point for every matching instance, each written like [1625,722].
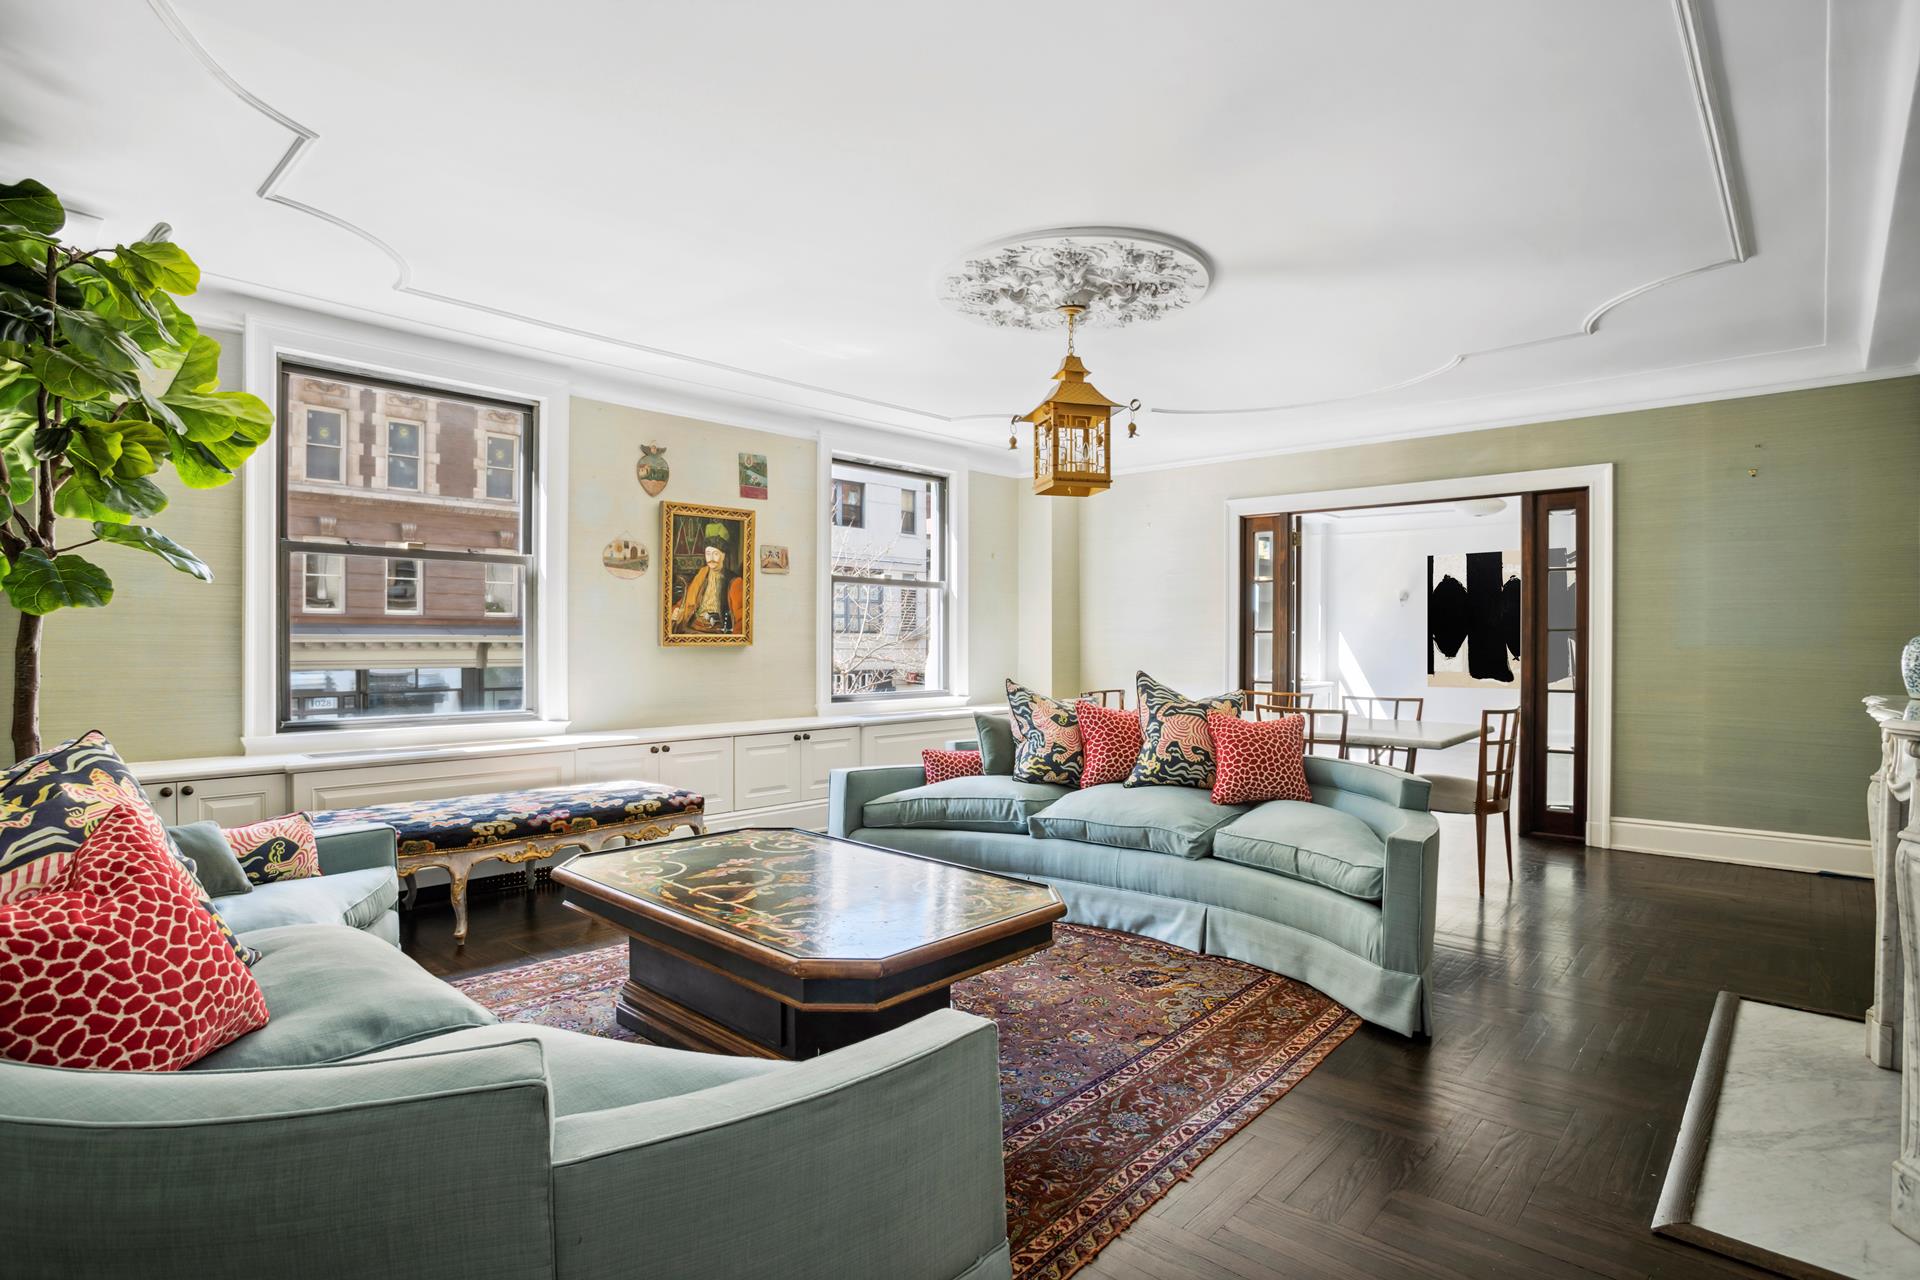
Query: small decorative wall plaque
[773,559]
[624,558]
[753,475]
[652,469]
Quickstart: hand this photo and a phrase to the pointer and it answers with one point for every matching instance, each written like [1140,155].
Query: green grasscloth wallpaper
[1751,613]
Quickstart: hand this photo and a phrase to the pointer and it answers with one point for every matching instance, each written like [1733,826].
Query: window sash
[934,615]
[350,715]
[419,580]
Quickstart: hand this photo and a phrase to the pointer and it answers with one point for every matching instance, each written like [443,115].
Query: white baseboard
[1783,849]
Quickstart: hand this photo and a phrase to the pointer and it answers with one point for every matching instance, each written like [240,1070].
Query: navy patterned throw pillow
[48,804]
[1175,748]
[1046,738]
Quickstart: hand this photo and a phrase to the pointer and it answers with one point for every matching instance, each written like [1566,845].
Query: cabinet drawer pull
[187,790]
[653,751]
[807,736]
[796,737]
[166,792]
[668,747]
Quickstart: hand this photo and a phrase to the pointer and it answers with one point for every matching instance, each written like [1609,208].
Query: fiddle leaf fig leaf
[30,206]
[160,264]
[201,369]
[198,468]
[40,583]
[159,544]
[87,495]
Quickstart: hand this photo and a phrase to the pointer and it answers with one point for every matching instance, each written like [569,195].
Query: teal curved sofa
[383,1124]
[1339,893]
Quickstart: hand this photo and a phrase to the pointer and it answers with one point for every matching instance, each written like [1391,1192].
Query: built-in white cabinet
[770,779]
[902,743]
[778,769]
[705,765]
[429,780]
[823,750]
[231,802]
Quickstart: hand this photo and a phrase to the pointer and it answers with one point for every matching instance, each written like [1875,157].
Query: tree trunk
[26,687]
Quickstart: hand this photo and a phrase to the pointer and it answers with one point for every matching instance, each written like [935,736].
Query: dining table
[1410,736]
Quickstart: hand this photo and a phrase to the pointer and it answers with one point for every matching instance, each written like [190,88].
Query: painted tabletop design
[811,896]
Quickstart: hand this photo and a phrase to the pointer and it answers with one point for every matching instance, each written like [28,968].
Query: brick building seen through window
[404,545]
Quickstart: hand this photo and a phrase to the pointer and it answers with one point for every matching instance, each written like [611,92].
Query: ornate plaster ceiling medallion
[1119,276]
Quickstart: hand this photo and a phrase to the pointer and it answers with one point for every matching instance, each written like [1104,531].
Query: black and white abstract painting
[1473,619]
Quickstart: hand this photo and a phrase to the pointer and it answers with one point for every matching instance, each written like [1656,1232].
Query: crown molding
[774,411]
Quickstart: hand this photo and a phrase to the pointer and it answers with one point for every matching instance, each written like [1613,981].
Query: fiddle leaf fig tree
[104,382]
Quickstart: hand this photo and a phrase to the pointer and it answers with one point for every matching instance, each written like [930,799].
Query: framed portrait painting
[706,575]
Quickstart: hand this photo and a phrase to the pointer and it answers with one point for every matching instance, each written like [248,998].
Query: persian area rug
[1124,1062]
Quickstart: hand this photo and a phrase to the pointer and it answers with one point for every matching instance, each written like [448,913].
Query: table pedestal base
[674,1002]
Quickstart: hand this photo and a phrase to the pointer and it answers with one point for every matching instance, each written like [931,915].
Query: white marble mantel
[1889,811]
[1899,878]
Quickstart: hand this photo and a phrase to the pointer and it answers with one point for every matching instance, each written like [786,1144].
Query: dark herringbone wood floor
[1528,1138]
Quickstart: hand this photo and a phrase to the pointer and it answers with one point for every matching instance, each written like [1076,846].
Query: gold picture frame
[695,609]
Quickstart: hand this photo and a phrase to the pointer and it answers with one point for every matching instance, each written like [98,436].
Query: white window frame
[513,590]
[418,456]
[857,445]
[306,572]
[487,468]
[419,590]
[272,332]
[306,442]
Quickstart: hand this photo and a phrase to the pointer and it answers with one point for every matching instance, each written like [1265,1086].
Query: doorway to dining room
[1466,612]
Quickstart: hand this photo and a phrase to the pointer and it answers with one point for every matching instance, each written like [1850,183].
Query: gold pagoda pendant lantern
[1072,429]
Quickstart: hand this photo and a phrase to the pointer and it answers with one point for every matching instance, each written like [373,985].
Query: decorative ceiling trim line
[306,138]
[1706,97]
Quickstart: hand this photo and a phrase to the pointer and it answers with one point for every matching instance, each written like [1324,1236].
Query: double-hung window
[889,579]
[404,588]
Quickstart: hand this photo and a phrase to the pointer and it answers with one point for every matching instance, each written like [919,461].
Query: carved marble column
[1906,871]
[1890,794]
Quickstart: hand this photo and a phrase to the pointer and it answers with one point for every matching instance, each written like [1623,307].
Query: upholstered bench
[458,834]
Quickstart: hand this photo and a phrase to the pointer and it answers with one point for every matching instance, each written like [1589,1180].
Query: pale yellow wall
[993,583]
[1751,613]
[159,669]
[1047,658]
[619,673]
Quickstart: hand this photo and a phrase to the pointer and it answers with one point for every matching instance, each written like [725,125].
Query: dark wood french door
[1270,592]
[1553,674]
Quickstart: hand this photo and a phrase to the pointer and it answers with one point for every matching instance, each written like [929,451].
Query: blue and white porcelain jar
[1910,667]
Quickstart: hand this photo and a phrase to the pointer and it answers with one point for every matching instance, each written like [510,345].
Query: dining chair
[1325,726]
[1115,698]
[1374,707]
[1490,790]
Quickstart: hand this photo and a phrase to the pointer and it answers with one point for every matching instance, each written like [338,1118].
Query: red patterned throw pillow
[277,849]
[1109,741]
[119,966]
[942,765]
[1258,760]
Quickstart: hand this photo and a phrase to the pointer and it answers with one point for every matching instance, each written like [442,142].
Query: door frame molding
[1596,479]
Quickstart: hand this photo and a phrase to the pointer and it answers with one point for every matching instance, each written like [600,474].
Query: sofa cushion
[1175,820]
[338,993]
[352,898]
[988,803]
[994,733]
[214,863]
[940,765]
[1309,842]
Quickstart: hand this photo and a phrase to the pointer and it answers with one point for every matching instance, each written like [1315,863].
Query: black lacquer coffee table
[780,943]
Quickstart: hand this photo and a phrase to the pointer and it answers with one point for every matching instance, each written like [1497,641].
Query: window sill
[399,737]
[899,703]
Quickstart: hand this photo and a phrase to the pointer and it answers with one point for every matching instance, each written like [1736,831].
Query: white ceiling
[1421,217]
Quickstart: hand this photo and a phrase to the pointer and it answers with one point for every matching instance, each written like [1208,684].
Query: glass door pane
[1553,708]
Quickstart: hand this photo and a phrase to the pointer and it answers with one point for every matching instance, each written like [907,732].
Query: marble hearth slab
[1785,1157]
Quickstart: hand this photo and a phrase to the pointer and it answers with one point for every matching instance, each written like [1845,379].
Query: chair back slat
[1115,698]
[1499,752]
[1325,726]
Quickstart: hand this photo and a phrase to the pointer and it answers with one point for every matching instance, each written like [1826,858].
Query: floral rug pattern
[1124,1062]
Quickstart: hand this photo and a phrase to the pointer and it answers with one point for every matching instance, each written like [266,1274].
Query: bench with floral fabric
[459,833]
